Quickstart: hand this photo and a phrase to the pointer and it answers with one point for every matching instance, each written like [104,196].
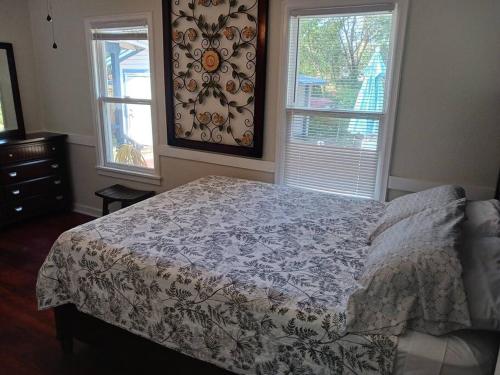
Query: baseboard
[87,210]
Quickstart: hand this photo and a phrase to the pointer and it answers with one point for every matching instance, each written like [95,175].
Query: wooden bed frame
[72,324]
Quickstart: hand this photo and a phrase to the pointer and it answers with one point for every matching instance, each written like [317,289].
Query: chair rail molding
[187,154]
[214,158]
[475,192]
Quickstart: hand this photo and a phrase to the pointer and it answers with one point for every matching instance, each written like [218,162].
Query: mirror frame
[19,132]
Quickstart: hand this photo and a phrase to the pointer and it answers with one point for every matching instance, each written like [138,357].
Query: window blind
[336,100]
[113,33]
[343,164]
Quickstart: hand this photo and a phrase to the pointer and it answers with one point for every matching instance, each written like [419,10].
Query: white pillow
[413,277]
[407,205]
[481,263]
[482,218]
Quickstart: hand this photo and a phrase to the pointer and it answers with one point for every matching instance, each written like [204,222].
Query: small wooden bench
[119,193]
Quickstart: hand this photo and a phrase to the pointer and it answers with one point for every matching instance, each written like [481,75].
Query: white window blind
[336,98]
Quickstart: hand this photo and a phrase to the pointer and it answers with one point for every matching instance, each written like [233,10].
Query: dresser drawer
[29,171]
[33,206]
[37,150]
[34,177]
[42,186]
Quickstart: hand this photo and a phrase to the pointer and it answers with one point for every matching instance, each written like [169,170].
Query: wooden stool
[119,193]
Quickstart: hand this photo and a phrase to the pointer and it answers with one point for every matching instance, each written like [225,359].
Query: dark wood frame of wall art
[260,89]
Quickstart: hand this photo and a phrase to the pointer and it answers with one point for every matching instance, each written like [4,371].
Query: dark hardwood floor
[27,340]
[27,336]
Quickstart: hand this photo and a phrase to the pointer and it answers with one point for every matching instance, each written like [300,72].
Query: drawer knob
[53,148]
[57,182]
[54,166]
[13,174]
[11,155]
[59,197]
[19,209]
[16,192]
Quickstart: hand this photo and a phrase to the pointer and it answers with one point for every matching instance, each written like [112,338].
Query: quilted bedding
[251,277]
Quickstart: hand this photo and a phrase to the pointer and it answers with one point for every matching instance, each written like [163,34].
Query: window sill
[144,178]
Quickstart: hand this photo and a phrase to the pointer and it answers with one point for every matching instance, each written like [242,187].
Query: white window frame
[145,175]
[317,7]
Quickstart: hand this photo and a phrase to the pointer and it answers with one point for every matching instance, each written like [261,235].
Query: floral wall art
[215,60]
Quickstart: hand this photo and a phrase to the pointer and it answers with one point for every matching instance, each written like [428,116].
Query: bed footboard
[64,317]
[72,324]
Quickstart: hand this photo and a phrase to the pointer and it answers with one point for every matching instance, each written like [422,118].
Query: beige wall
[15,28]
[64,73]
[448,125]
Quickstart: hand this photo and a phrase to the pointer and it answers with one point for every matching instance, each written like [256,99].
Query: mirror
[11,117]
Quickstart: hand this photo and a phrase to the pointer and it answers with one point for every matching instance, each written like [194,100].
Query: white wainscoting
[474,192]
[213,158]
[82,140]
[200,156]
[173,152]
[395,183]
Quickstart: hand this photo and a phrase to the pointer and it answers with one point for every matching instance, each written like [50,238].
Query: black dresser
[34,177]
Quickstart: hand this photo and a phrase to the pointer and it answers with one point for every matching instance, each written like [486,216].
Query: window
[122,81]
[337,99]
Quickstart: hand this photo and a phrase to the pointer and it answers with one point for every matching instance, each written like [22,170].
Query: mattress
[251,277]
[459,353]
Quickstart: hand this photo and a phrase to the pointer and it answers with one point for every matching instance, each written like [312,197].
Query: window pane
[126,68]
[337,155]
[128,134]
[341,61]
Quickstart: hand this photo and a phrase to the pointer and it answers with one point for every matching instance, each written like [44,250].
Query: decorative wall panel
[215,57]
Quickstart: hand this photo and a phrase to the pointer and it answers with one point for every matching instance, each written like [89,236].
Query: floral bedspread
[251,277]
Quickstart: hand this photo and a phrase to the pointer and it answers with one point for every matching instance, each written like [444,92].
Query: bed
[250,277]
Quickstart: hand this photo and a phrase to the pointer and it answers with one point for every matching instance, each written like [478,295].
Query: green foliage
[337,49]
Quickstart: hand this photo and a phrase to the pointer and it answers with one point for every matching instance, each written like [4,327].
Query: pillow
[483,218]
[407,205]
[413,277]
[481,264]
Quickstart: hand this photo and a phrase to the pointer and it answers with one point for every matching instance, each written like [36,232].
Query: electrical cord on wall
[50,20]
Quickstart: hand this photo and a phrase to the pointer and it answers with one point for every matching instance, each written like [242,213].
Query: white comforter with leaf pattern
[249,276]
